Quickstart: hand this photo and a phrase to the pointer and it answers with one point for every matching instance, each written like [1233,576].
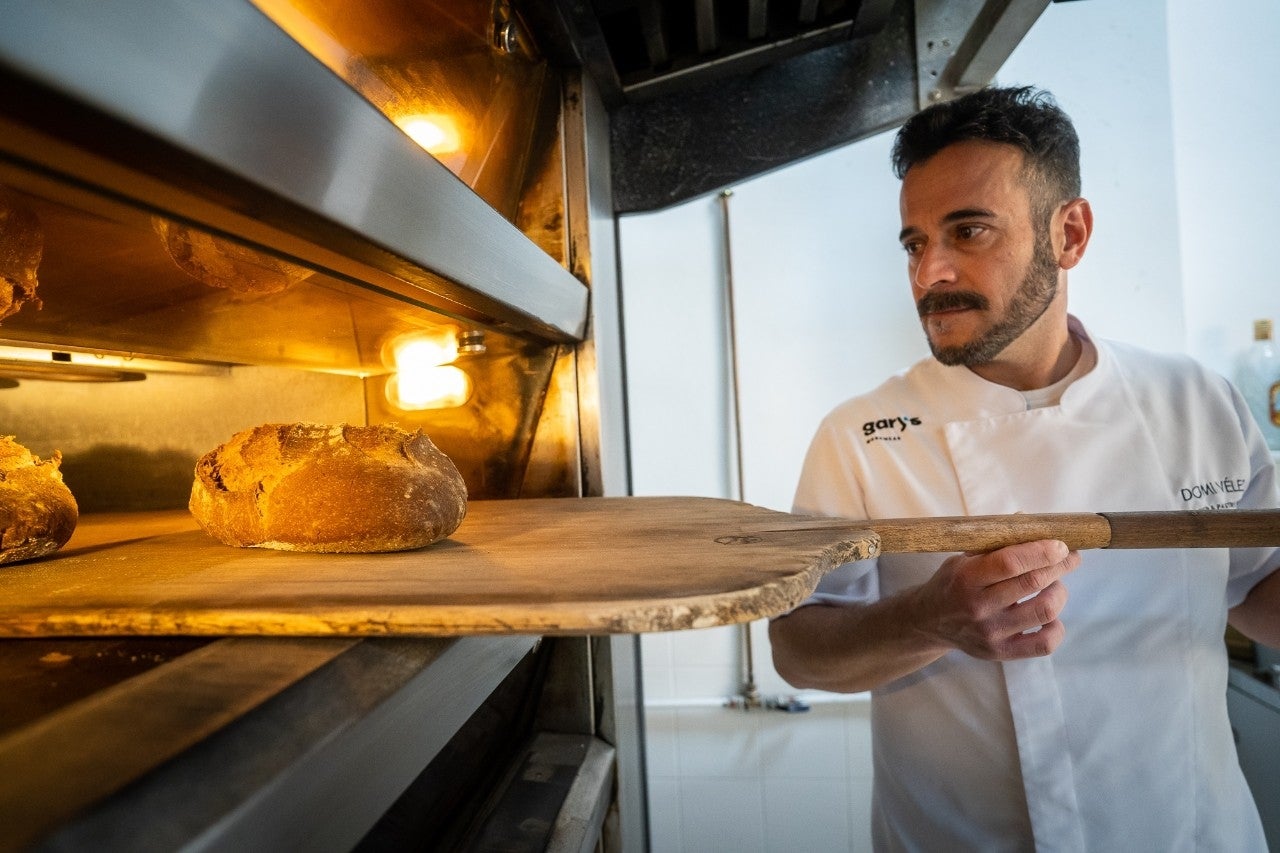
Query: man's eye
[968,232]
[912,247]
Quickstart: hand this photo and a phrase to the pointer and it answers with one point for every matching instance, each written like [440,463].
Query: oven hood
[707,93]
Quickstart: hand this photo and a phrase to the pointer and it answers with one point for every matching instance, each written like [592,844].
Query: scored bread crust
[38,513]
[21,249]
[218,262]
[322,488]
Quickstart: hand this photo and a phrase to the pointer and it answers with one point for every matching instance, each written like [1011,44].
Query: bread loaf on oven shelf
[328,488]
[218,262]
[38,513]
[21,249]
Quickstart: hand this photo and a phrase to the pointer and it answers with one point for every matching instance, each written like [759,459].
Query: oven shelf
[241,743]
[211,115]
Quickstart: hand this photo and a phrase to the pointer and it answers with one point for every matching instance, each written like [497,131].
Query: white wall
[822,313]
[1169,97]
[1107,63]
[1226,133]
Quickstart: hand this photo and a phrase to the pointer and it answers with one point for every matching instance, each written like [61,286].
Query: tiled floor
[759,781]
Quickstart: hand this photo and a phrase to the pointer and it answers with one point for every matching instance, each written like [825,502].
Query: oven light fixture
[436,133]
[423,377]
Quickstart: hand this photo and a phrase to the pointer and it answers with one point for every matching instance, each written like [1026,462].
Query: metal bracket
[960,44]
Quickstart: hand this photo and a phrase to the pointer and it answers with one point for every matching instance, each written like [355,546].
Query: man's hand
[1002,605]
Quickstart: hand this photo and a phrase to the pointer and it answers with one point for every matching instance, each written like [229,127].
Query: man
[1033,697]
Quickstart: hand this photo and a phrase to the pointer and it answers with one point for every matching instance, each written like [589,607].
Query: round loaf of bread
[335,489]
[38,513]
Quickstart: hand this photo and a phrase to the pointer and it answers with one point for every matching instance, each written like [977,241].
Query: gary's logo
[888,429]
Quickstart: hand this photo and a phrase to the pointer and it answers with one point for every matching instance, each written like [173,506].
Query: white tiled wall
[728,778]
[694,665]
[759,781]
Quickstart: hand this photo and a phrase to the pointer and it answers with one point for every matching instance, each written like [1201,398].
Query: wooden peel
[548,566]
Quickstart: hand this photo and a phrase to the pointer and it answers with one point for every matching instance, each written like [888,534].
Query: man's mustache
[950,300]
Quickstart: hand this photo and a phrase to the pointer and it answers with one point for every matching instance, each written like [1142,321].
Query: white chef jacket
[1119,740]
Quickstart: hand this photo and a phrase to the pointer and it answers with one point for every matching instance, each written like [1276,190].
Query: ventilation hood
[708,93]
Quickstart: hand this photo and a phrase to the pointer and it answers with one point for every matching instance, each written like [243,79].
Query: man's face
[982,269]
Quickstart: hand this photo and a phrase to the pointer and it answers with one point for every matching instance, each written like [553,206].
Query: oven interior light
[441,387]
[422,376]
[416,353]
[437,133]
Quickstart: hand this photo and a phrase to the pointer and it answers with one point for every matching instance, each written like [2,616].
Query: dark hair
[1024,117]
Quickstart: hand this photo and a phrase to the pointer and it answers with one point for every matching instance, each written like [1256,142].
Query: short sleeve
[1248,566]
[828,487]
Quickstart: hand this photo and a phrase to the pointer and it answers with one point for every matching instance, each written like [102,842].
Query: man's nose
[933,266]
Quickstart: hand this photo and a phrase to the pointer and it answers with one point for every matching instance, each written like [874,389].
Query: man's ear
[1074,222]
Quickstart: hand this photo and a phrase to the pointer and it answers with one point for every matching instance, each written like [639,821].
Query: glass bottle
[1259,382]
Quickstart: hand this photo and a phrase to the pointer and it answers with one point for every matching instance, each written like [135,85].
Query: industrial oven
[225,220]
[230,213]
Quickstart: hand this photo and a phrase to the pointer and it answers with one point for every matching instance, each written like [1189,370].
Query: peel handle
[1238,528]
[1169,529]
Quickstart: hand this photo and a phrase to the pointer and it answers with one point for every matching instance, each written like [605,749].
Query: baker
[1033,697]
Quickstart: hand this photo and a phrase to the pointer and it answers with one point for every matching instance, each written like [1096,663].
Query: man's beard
[1034,295]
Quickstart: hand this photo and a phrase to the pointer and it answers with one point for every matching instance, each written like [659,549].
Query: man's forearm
[1258,616]
[850,648]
